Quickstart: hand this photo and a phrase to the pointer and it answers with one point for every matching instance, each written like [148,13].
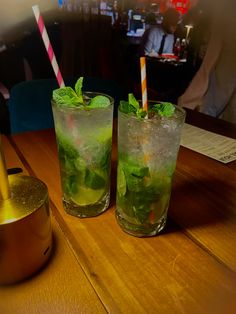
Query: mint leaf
[132,106]
[134,175]
[80,164]
[132,101]
[94,180]
[78,88]
[125,107]
[70,184]
[140,113]
[137,171]
[164,109]
[121,182]
[99,101]
[141,212]
[65,146]
[66,96]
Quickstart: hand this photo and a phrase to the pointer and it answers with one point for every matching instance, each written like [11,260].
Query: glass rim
[112,101]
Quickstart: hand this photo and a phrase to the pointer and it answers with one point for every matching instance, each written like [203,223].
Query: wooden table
[97,268]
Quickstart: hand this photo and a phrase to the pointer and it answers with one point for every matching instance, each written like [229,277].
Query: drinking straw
[4,184]
[143,82]
[47,44]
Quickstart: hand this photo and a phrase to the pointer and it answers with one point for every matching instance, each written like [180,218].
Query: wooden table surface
[97,268]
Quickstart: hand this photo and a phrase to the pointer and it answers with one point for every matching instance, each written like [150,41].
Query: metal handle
[4,184]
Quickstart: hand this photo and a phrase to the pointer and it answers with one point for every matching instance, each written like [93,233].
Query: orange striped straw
[143,82]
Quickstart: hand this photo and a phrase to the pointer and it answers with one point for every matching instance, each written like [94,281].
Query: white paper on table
[213,145]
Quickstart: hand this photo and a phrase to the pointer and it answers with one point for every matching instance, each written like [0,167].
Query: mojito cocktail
[147,150]
[84,139]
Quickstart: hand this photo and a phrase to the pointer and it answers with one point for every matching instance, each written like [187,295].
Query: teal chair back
[30,101]
[29,105]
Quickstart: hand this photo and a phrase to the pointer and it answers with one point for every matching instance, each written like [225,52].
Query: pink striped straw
[48,46]
[143,82]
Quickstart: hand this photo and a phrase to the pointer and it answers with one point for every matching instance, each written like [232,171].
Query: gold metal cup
[25,229]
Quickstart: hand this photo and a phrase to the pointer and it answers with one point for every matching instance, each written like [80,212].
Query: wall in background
[17,15]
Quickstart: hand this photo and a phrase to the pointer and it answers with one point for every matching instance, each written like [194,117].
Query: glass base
[147,230]
[88,210]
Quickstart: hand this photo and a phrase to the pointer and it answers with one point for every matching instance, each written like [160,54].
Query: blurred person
[213,88]
[199,18]
[159,39]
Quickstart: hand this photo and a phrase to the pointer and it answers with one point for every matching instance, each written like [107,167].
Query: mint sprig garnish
[67,97]
[132,101]
[132,106]
[99,101]
[162,109]
[78,89]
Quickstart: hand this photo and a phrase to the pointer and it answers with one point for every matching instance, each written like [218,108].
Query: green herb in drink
[132,107]
[67,97]
[83,126]
[162,109]
[143,190]
[99,101]
[79,172]
[78,89]
[139,191]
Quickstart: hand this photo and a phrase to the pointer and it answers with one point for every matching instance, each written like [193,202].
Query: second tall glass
[147,152]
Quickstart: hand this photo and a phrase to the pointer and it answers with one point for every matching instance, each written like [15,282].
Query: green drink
[84,139]
[147,152]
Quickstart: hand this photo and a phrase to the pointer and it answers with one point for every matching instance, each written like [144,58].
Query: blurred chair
[29,105]
[30,101]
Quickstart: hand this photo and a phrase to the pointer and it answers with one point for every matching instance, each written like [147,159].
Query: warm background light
[14,14]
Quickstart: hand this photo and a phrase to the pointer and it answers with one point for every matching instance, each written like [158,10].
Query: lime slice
[86,196]
[103,134]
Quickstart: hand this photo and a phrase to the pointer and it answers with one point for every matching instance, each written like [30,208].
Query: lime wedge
[86,196]
[103,134]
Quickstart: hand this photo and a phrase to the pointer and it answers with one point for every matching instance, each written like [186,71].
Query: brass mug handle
[4,184]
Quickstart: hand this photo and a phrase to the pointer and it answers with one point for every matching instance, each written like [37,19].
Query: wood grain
[204,203]
[175,272]
[60,287]
[207,209]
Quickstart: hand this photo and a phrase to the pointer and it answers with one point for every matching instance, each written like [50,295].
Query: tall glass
[147,153]
[84,140]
